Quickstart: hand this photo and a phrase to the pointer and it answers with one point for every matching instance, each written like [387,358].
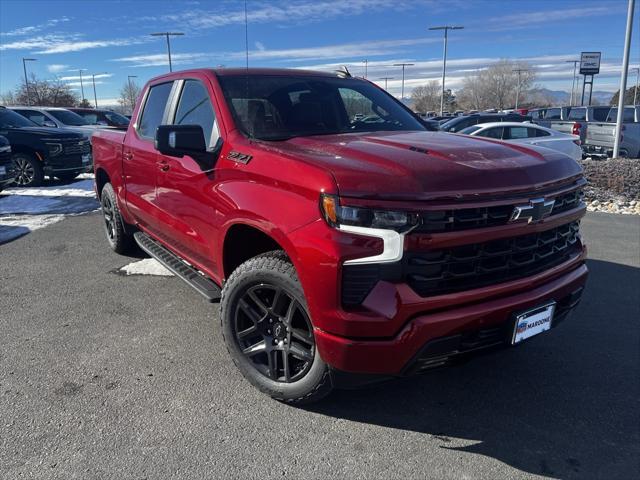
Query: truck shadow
[562,405]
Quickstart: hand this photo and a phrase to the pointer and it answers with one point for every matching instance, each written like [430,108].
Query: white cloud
[85,83]
[31,29]
[58,43]
[57,68]
[531,19]
[160,59]
[289,12]
[85,76]
[260,46]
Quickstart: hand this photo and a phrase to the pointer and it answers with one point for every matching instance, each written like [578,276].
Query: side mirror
[181,140]
[49,123]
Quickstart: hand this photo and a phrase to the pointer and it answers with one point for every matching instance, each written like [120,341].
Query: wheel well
[243,242]
[101,180]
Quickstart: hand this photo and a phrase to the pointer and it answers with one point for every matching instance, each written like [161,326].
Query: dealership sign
[590,63]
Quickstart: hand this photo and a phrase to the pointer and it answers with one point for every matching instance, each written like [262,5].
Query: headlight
[337,215]
[54,149]
[5,149]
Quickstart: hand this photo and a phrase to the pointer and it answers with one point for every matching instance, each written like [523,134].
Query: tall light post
[623,77]
[93,79]
[446,29]
[403,65]
[385,80]
[573,79]
[167,35]
[635,90]
[131,99]
[80,70]
[26,80]
[365,61]
[518,71]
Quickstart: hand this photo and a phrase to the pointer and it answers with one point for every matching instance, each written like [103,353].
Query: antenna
[246,33]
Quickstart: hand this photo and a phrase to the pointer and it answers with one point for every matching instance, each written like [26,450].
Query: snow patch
[16,226]
[148,266]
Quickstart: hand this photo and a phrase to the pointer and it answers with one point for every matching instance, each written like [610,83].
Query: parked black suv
[460,123]
[6,165]
[39,151]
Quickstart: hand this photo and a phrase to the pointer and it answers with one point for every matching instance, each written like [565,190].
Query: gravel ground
[614,185]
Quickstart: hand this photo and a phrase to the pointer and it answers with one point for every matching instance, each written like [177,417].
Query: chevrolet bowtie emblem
[537,209]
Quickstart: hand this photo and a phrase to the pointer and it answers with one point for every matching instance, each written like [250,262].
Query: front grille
[470,218]
[76,148]
[466,267]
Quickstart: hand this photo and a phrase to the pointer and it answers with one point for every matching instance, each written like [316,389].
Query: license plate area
[533,322]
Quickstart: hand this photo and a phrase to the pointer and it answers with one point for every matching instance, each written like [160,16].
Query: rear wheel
[268,330]
[28,170]
[119,240]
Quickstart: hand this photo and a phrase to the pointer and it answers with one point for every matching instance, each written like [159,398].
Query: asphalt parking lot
[104,375]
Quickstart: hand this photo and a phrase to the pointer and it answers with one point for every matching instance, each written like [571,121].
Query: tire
[67,177]
[29,172]
[275,353]
[119,240]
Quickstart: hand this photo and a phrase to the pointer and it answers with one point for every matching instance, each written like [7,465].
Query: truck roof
[285,72]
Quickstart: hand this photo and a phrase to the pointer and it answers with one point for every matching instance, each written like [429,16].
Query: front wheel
[268,330]
[29,172]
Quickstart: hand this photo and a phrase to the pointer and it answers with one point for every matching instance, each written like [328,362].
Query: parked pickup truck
[571,120]
[341,251]
[601,135]
[38,151]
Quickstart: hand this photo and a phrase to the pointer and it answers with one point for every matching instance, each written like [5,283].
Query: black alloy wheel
[274,333]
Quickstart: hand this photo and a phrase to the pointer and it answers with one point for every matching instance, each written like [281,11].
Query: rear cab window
[578,114]
[627,115]
[553,114]
[154,110]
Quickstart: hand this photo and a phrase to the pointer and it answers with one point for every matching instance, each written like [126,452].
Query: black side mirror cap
[180,140]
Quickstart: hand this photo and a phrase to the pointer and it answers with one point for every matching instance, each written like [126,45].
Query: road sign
[590,63]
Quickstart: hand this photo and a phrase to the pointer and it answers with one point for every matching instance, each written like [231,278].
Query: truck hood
[430,165]
[41,133]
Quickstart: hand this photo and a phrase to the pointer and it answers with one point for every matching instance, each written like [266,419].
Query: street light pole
[365,61]
[167,35]
[82,84]
[446,29]
[519,71]
[93,79]
[635,90]
[385,80]
[623,77]
[402,65]
[573,79]
[26,81]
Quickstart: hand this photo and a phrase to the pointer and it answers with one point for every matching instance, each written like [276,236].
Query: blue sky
[111,38]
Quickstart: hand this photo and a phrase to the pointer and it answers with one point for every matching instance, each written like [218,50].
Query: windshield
[9,119]
[272,107]
[470,130]
[68,118]
[117,119]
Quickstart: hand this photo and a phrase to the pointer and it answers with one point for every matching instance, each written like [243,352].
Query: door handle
[127,156]
[163,165]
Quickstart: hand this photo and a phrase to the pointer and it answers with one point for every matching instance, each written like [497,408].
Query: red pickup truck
[345,243]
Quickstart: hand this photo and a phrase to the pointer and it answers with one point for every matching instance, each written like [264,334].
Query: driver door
[186,195]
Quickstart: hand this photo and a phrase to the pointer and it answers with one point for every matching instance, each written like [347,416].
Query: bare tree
[426,98]
[497,85]
[128,96]
[46,93]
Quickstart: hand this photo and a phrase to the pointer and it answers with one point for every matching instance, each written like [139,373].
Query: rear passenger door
[187,195]
[141,159]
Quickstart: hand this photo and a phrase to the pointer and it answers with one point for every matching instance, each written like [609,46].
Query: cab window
[154,107]
[195,108]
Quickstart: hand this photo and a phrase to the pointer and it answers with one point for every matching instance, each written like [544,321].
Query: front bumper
[435,339]
[69,164]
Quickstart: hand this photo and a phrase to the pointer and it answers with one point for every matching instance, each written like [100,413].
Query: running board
[203,284]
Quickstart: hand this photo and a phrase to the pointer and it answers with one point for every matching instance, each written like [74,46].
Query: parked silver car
[55,117]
